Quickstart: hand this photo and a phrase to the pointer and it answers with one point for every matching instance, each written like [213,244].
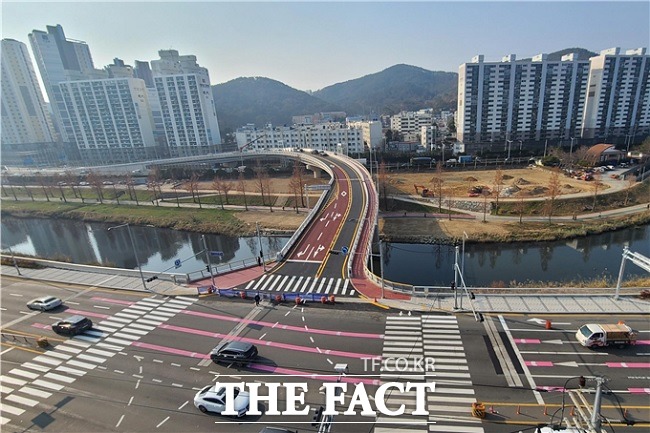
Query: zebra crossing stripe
[306,284]
[345,286]
[275,279]
[35,392]
[455,428]
[288,286]
[250,283]
[260,282]
[23,373]
[322,283]
[313,285]
[297,284]
[282,284]
[5,408]
[60,377]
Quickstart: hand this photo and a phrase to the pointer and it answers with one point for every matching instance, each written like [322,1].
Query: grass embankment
[196,220]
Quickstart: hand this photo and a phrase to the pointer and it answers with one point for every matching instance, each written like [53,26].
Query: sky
[310,45]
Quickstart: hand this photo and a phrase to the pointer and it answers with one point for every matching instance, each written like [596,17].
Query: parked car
[212,398]
[72,325]
[45,303]
[234,351]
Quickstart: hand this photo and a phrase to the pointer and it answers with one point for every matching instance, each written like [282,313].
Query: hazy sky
[310,45]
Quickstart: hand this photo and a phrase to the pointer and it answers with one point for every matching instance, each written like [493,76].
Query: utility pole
[595,415]
[207,256]
[381,267]
[455,282]
[13,258]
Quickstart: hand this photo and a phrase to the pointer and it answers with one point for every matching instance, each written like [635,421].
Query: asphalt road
[146,357]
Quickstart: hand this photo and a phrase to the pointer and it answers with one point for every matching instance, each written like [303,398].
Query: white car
[45,303]
[212,398]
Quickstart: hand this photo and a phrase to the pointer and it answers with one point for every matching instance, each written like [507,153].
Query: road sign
[344,250]
[177,263]
[216,253]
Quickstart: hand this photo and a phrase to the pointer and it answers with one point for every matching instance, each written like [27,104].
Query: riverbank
[239,222]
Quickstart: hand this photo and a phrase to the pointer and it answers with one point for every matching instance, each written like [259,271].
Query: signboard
[318,187]
[344,250]
[216,253]
[177,263]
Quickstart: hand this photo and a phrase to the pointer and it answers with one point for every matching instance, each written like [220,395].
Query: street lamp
[509,143]
[571,150]
[259,238]
[135,253]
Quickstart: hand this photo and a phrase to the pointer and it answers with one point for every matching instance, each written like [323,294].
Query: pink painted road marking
[628,364]
[284,327]
[646,342]
[41,326]
[331,378]
[539,363]
[527,341]
[87,313]
[639,390]
[271,343]
[112,301]
[551,388]
[171,350]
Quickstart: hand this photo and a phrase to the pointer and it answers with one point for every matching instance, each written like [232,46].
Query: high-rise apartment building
[25,118]
[60,59]
[411,121]
[531,100]
[618,98]
[186,105]
[111,119]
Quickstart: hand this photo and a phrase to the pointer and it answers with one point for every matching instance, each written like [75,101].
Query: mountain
[400,87]
[260,101]
[583,54]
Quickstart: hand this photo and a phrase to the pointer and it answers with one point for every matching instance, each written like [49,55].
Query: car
[72,325]
[324,154]
[234,351]
[212,398]
[107,182]
[45,303]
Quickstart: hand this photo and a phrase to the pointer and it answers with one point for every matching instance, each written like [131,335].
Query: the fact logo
[335,393]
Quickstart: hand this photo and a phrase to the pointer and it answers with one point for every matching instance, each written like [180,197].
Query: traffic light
[318,414]
[152,278]
[471,296]
[453,285]
[207,268]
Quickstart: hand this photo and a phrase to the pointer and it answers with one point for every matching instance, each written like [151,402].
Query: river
[418,264]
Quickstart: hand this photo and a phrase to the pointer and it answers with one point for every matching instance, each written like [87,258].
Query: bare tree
[28,191]
[42,181]
[116,195]
[596,184]
[194,187]
[71,180]
[130,186]
[485,202]
[95,180]
[154,182]
[498,185]
[297,182]
[383,182]
[520,208]
[242,187]
[629,183]
[217,185]
[437,182]
[263,183]
[554,189]
[175,188]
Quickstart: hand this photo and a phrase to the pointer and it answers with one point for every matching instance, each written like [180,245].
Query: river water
[418,264]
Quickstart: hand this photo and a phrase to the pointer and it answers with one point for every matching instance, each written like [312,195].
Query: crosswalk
[427,349]
[29,384]
[301,284]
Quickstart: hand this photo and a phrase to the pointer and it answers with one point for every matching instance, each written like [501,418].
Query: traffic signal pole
[207,255]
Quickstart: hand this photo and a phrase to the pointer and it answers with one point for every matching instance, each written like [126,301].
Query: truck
[465,159]
[596,335]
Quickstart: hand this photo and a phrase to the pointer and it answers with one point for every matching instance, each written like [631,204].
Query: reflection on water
[157,249]
[504,264]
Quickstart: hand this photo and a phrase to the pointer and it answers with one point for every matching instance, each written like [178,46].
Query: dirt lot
[527,182]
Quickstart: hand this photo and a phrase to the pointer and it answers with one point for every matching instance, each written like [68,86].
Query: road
[147,356]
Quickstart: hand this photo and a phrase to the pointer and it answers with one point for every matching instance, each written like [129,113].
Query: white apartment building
[187,106]
[530,100]
[25,118]
[411,121]
[618,98]
[111,119]
[371,132]
[60,59]
[332,137]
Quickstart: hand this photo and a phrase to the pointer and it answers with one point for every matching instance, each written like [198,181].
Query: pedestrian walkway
[353,291]
[409,341]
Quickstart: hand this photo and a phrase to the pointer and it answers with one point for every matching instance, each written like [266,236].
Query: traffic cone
[620,322]
[545,411]
[492,409]
[548,324]
[518,409]
[573,411]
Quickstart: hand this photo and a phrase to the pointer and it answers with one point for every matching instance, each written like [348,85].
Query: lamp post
[259,238]
[207,256]
[521,144]
[135,253]
[571,150]
[13,258]
[462,260]
[509,144]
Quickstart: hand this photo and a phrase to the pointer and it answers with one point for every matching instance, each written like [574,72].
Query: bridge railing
[223,269]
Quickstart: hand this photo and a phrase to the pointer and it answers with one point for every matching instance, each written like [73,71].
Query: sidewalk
[484,303]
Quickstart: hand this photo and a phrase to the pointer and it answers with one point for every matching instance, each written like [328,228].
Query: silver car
[212,398]
[45,303]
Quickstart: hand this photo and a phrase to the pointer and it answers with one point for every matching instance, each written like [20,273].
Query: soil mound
[521,181]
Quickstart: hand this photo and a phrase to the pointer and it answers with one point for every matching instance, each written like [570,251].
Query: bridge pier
[317,170]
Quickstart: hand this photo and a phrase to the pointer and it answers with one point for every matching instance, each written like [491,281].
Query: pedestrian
[257,300]
[259,261]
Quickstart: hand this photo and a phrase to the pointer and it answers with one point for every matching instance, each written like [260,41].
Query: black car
[72,325]
[234,351]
